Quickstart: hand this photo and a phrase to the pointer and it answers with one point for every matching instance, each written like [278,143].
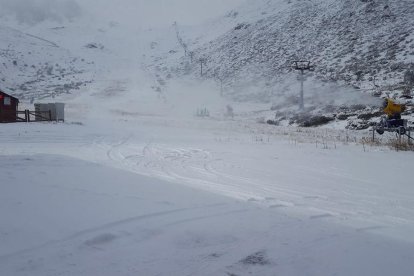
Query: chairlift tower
[302,66]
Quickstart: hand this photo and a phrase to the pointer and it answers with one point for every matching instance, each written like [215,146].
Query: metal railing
[27,116]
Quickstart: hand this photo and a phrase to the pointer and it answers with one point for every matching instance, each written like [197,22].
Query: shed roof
[2,92]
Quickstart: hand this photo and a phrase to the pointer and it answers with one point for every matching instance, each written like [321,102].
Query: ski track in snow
[276,178]
[209,171]
[129,222]
[311,197]
[214,168]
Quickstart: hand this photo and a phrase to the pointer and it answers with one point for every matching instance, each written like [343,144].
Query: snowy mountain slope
[36,67]
[357,47]
[133,183]
[247,52]
[348,41]
[89,45]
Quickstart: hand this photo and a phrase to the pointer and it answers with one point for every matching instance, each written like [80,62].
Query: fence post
[50,115]
[27,115]
[373,134]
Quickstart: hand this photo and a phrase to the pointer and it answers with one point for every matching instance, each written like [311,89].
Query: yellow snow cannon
[392,122]
[393,109]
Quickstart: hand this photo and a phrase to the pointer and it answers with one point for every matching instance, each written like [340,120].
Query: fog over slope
[164,164]
[360,48]
[55,46]
[142,13]
[36,11]
[160,13]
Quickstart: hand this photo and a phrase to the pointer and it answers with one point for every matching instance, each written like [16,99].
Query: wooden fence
[25,116]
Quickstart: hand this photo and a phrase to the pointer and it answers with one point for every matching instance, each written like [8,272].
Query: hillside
[33,67]
[359,49]
[184,150]
[362,51]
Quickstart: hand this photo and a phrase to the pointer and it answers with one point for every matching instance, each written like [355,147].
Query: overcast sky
[34,11]
[161,12]
[143,13]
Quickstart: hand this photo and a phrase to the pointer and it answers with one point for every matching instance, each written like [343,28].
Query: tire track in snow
[191,166]
[122,222]
[194,167]
[205,170]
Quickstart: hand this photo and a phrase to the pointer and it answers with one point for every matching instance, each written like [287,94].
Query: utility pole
[202,62]
[220,76]
[191,53]
[220,79]
[302,66]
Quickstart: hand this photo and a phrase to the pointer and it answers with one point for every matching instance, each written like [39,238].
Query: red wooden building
[8,108]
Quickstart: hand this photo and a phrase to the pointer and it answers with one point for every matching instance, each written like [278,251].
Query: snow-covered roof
[2,92]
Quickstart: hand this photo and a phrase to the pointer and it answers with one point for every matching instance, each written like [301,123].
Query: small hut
[8,108]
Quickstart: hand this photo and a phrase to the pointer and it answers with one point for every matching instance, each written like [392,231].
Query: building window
[7,101]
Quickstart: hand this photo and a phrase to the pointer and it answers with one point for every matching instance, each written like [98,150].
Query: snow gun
[392,122]
[392,109]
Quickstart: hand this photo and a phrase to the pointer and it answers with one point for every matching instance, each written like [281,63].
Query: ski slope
[134,183]
[159,195]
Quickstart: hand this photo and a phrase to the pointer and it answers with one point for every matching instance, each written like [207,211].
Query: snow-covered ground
[134,183]
[152,194]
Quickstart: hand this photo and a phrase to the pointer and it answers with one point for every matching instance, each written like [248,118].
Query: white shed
[57,110]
